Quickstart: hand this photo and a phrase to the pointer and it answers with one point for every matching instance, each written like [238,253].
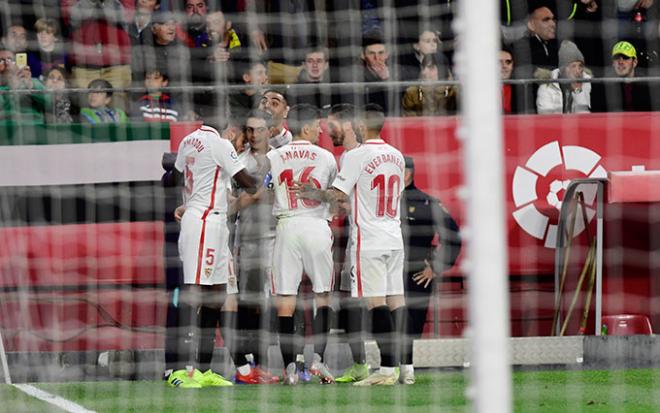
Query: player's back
[376,194]
[300,161]
[207,162]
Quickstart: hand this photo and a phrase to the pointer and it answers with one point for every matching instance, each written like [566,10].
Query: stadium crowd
[170,60]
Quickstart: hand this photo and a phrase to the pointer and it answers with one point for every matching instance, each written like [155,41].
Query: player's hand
[424,277]
[305,190]
[178,213]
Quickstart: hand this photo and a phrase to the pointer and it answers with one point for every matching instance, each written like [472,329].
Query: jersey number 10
[388,197]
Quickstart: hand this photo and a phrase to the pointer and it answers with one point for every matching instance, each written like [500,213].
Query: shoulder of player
[210,130]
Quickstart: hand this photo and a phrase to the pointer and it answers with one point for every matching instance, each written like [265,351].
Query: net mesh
[92,93]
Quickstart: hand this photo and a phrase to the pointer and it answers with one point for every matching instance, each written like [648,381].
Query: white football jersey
[300,161]
[208,162]
[372,176]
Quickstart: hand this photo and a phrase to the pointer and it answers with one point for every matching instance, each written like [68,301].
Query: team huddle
[306,190]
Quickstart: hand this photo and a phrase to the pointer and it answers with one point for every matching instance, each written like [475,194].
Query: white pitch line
[55,400]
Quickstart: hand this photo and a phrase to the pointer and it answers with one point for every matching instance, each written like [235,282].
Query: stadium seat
[627,324]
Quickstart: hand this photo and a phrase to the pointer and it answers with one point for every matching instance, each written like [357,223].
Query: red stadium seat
[627,324]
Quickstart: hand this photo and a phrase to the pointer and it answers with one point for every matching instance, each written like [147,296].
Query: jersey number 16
[287,177]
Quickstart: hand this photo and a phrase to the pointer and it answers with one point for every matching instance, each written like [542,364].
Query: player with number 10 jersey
[372,176]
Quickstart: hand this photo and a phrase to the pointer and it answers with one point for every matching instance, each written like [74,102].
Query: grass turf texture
[538,391]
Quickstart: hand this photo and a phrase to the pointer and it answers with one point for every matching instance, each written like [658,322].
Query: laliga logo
[538,186]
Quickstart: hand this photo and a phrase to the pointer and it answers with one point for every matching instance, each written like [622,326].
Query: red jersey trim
[200,249]
[358,245]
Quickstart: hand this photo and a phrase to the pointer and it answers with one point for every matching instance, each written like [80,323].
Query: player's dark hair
[374,117]
[279,91]
[260,114]
[301,115]
[347,112]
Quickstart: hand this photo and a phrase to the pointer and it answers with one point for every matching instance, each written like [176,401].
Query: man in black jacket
[422,217]
[624,96]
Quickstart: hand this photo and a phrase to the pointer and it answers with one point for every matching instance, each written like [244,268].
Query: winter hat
[569,53]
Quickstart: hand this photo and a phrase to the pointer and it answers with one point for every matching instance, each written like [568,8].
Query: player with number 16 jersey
[301,161]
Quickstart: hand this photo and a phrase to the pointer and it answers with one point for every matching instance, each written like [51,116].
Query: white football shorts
[204,250]
[376,273]
[302,244]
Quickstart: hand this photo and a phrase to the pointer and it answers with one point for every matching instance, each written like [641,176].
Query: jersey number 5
[287,177]
[388,195]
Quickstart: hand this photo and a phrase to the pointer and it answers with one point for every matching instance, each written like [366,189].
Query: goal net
[528,134]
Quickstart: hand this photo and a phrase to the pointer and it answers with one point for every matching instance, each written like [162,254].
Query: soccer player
[275,102]
[344,131]
[205,163]
[303,241]
[256,235]
[371,182]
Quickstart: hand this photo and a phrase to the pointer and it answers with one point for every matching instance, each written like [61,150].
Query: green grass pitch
[439,391]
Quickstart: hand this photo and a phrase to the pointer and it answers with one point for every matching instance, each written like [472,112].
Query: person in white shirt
[303,241]
[573,97]
[369,184]
[205,163]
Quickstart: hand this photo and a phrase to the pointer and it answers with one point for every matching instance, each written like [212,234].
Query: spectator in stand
[375,57]
[315,70]
[212,64]
[58,109]
[166,54]
[7,58]
[254,76]
[155,105]
[99,110]
[196,11]
[538,49]
[101,46]
[512,95]
[20,107]
[51,52]
[15,38]
[637,23]
[410,63]
[429,100]
[141,23]
[623,96]
[558,97]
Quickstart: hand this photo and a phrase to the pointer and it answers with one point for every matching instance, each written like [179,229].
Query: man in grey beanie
[566,97]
